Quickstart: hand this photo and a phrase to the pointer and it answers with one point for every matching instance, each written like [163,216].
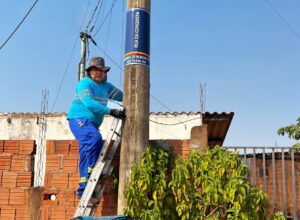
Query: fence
[276,170]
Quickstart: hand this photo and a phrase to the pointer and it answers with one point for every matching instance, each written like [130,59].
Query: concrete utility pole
[81,69]
[135,137]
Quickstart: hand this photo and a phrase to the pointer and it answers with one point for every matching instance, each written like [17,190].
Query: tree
[293,131]
[210,186]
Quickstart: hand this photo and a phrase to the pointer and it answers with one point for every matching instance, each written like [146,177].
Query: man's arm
[115,93]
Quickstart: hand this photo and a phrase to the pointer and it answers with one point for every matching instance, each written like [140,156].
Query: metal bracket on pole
[84,40]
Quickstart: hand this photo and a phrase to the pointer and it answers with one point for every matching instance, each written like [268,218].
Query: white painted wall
[24,126]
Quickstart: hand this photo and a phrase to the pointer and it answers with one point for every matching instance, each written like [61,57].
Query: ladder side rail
[87,194]
[108,139]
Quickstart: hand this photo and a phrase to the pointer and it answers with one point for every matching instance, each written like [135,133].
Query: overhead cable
[172,124]
[113,4]
[283,19]
[14,31]
[70,58]
[93,15]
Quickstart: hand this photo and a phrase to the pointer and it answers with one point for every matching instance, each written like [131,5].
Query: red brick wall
[16,178]
[278,205]
[62,179]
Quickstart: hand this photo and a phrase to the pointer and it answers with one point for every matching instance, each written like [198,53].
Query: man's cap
[99,63]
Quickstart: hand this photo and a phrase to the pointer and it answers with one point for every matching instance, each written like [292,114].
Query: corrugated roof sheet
[217,126]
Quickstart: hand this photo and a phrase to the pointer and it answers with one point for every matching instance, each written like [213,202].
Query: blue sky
[242,50]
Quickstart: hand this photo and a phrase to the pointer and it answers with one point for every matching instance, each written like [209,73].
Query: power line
[64,75]
[283,19]
[110,58]
[92,17]
[122,42]
[97,17]
[70,58]
[19,24]
[113,4]
[117,65]
[172,124]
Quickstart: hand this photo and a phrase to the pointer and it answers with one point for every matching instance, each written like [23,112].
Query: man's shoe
[78,195]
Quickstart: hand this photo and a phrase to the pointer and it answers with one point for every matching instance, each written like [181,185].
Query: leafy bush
[214,186]
[147,194]
[209,186]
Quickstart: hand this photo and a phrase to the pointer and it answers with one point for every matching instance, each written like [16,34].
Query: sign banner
[137,45]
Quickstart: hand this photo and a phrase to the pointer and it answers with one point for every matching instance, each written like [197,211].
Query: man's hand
[117,113]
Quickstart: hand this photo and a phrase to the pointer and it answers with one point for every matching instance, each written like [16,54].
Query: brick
[9,179]
[1,146]
[22,213]
[4,196]
[53,162]
[11,146]
[60,180]
[74,180]
[45,214]
[62,147]
[27,147]
[70,212]
[18,197]
[21,163]
[1,174]
[66,198]
[50,147]
[74,147]
[48,180]
[70,163]
[24,179]
[58,213]
[5,161]
[8,213]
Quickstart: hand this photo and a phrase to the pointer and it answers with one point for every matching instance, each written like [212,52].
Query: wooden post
[135,137]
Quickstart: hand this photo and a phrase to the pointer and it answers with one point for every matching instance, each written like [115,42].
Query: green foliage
[209,186]
[147,194]
[214,186]
[278,216]
[293,131]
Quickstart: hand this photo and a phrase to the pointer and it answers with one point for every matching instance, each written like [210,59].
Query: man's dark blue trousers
[90,143]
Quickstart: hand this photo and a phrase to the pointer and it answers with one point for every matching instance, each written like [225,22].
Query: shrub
[209,186]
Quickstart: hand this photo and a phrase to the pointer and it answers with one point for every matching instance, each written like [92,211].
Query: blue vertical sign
[137,45]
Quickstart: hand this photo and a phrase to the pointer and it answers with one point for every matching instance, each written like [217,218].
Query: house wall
[24,126]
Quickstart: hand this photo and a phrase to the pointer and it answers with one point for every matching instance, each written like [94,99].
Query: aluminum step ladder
[102,170]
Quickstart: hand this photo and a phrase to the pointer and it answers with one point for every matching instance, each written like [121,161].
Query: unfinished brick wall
[16,179]
[62,177]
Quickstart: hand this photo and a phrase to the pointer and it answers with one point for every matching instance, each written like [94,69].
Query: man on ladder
[86,115]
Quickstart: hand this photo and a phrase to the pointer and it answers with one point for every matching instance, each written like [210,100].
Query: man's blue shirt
[91,100]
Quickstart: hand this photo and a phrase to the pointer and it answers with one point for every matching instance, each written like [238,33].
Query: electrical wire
[70,58]
[117,65]
[108,31]
[14,31]
[93,15]
[113,4]
[122,42]
[97,17]
[283,19]
[64,75]
[172,124]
